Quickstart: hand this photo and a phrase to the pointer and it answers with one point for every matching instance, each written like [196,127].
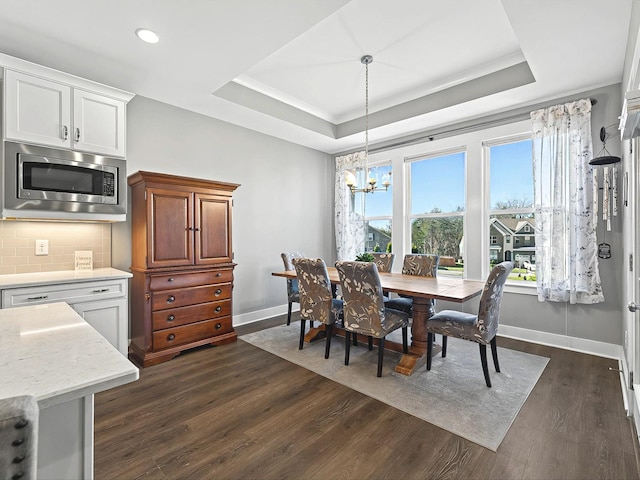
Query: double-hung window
[378,211]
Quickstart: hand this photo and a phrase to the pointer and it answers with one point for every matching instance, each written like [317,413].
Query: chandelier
[370,180]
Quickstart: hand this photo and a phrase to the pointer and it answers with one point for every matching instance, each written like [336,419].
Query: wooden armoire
[182,265]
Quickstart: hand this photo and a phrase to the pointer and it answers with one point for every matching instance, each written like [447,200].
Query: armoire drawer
[175,317]
[182,280]
[194,332]
[189,296]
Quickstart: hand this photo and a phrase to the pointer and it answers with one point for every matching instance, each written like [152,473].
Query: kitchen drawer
[189,296]
[182,280]
[194,313]
[68,292]
[171,337]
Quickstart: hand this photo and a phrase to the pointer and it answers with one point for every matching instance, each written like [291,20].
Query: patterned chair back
[19,437]
[384,261]
[363,303]
[292,284]
[316,298]
[423,265]
[489,309]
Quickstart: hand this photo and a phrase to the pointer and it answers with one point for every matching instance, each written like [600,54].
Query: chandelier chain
[366,111]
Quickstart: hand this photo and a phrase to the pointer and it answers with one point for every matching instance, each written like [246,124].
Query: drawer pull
[171,318]
[218,309]
[100,290]
[35,299]
[218,326]
[218,292]
[171,336]
[218,274]
[170,279]
[171,299]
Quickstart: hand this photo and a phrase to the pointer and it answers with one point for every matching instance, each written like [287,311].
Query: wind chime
[609,191]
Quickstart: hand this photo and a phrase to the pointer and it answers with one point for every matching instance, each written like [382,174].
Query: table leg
[422,311]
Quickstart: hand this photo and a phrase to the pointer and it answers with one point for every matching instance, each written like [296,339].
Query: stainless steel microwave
[43,182]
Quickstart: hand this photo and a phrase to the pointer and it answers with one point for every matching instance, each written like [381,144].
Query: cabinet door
[98,123]
[37,110]
[109,318]
[213,229]
[170,228]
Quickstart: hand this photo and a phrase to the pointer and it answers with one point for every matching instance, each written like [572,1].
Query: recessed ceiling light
[147,35]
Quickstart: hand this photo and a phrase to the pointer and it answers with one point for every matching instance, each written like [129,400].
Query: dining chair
[384,261]
[293,293]
[19,437]
[364,309]
[423,265]
[481,328]
[316,298]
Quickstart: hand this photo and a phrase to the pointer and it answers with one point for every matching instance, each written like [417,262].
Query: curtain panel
[566,242]
[349,225]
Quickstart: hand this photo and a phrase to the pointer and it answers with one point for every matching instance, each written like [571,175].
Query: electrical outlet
[42,247]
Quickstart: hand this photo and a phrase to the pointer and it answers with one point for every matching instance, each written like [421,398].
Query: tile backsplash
[18,244]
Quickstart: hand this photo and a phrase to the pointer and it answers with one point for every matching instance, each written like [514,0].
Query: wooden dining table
[422,290]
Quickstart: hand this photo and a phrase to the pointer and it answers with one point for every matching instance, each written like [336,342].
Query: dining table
[423,290]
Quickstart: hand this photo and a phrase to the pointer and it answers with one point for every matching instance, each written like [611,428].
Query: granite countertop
[63,276]
[50,352]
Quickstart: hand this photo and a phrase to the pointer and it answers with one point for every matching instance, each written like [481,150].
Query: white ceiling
[291,68]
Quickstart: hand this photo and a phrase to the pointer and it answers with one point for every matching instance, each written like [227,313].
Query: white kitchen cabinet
[102,303]
[48,112]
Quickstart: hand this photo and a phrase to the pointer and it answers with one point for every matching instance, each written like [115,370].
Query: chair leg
[327,347]
[302,325]
[347,346]
[380,355]
[355,339]
[370,340]
[289,313]
[405,340]
[429,349]
[444,346]
[494,354]
[483,359]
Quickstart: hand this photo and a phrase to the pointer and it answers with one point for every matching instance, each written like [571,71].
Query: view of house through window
[437,201]
[511,220]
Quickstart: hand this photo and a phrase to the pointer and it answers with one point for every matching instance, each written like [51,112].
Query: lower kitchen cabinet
[109,318]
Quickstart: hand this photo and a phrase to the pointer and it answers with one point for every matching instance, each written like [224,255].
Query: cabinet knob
[218,326]
[171,299]
[218,309]
[170,279]
[171,318]
[218,292]
[171,336]
[218,274]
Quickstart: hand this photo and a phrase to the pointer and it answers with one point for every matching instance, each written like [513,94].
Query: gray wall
[285,201]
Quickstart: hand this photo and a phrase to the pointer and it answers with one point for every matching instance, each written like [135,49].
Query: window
[494,240]
[378,210]
[436,206]
[511,202]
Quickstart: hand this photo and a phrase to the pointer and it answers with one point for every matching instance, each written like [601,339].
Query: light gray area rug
[453,395]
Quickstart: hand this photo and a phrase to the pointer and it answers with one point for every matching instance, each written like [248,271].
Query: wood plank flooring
[238,412]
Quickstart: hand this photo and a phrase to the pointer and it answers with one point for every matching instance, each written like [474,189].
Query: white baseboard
[251,317]
[583,345]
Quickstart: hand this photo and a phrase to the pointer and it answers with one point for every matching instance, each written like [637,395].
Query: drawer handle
[218,326]
[171,318]
[170,279]
[171,336]
[218,292]
[218,309]
[35,299]
[100,290]
[218,274]
[171,299]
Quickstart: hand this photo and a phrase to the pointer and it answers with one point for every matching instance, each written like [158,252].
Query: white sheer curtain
[350,225]
[566,243]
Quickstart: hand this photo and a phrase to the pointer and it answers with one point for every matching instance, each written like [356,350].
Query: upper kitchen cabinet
[47,107]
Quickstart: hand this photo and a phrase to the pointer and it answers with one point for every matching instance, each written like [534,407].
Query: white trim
[256,316]
[582,345]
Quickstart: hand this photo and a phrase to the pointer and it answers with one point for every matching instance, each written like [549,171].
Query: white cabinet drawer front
[70,293]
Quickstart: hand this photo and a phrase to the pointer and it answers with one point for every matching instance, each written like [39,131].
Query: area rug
[452,395]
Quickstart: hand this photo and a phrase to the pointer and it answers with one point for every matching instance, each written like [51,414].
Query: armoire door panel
[171,234]
[213,242]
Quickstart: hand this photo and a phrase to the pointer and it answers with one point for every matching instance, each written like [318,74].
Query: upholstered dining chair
[384,261]
[18,437]
[316,298]
[364,309]
[293,294]
[480,328]
[423,265]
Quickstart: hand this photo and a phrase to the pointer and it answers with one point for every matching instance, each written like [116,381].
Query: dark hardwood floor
[238,412]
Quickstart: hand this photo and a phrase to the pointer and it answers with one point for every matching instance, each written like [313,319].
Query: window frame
[389,218]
